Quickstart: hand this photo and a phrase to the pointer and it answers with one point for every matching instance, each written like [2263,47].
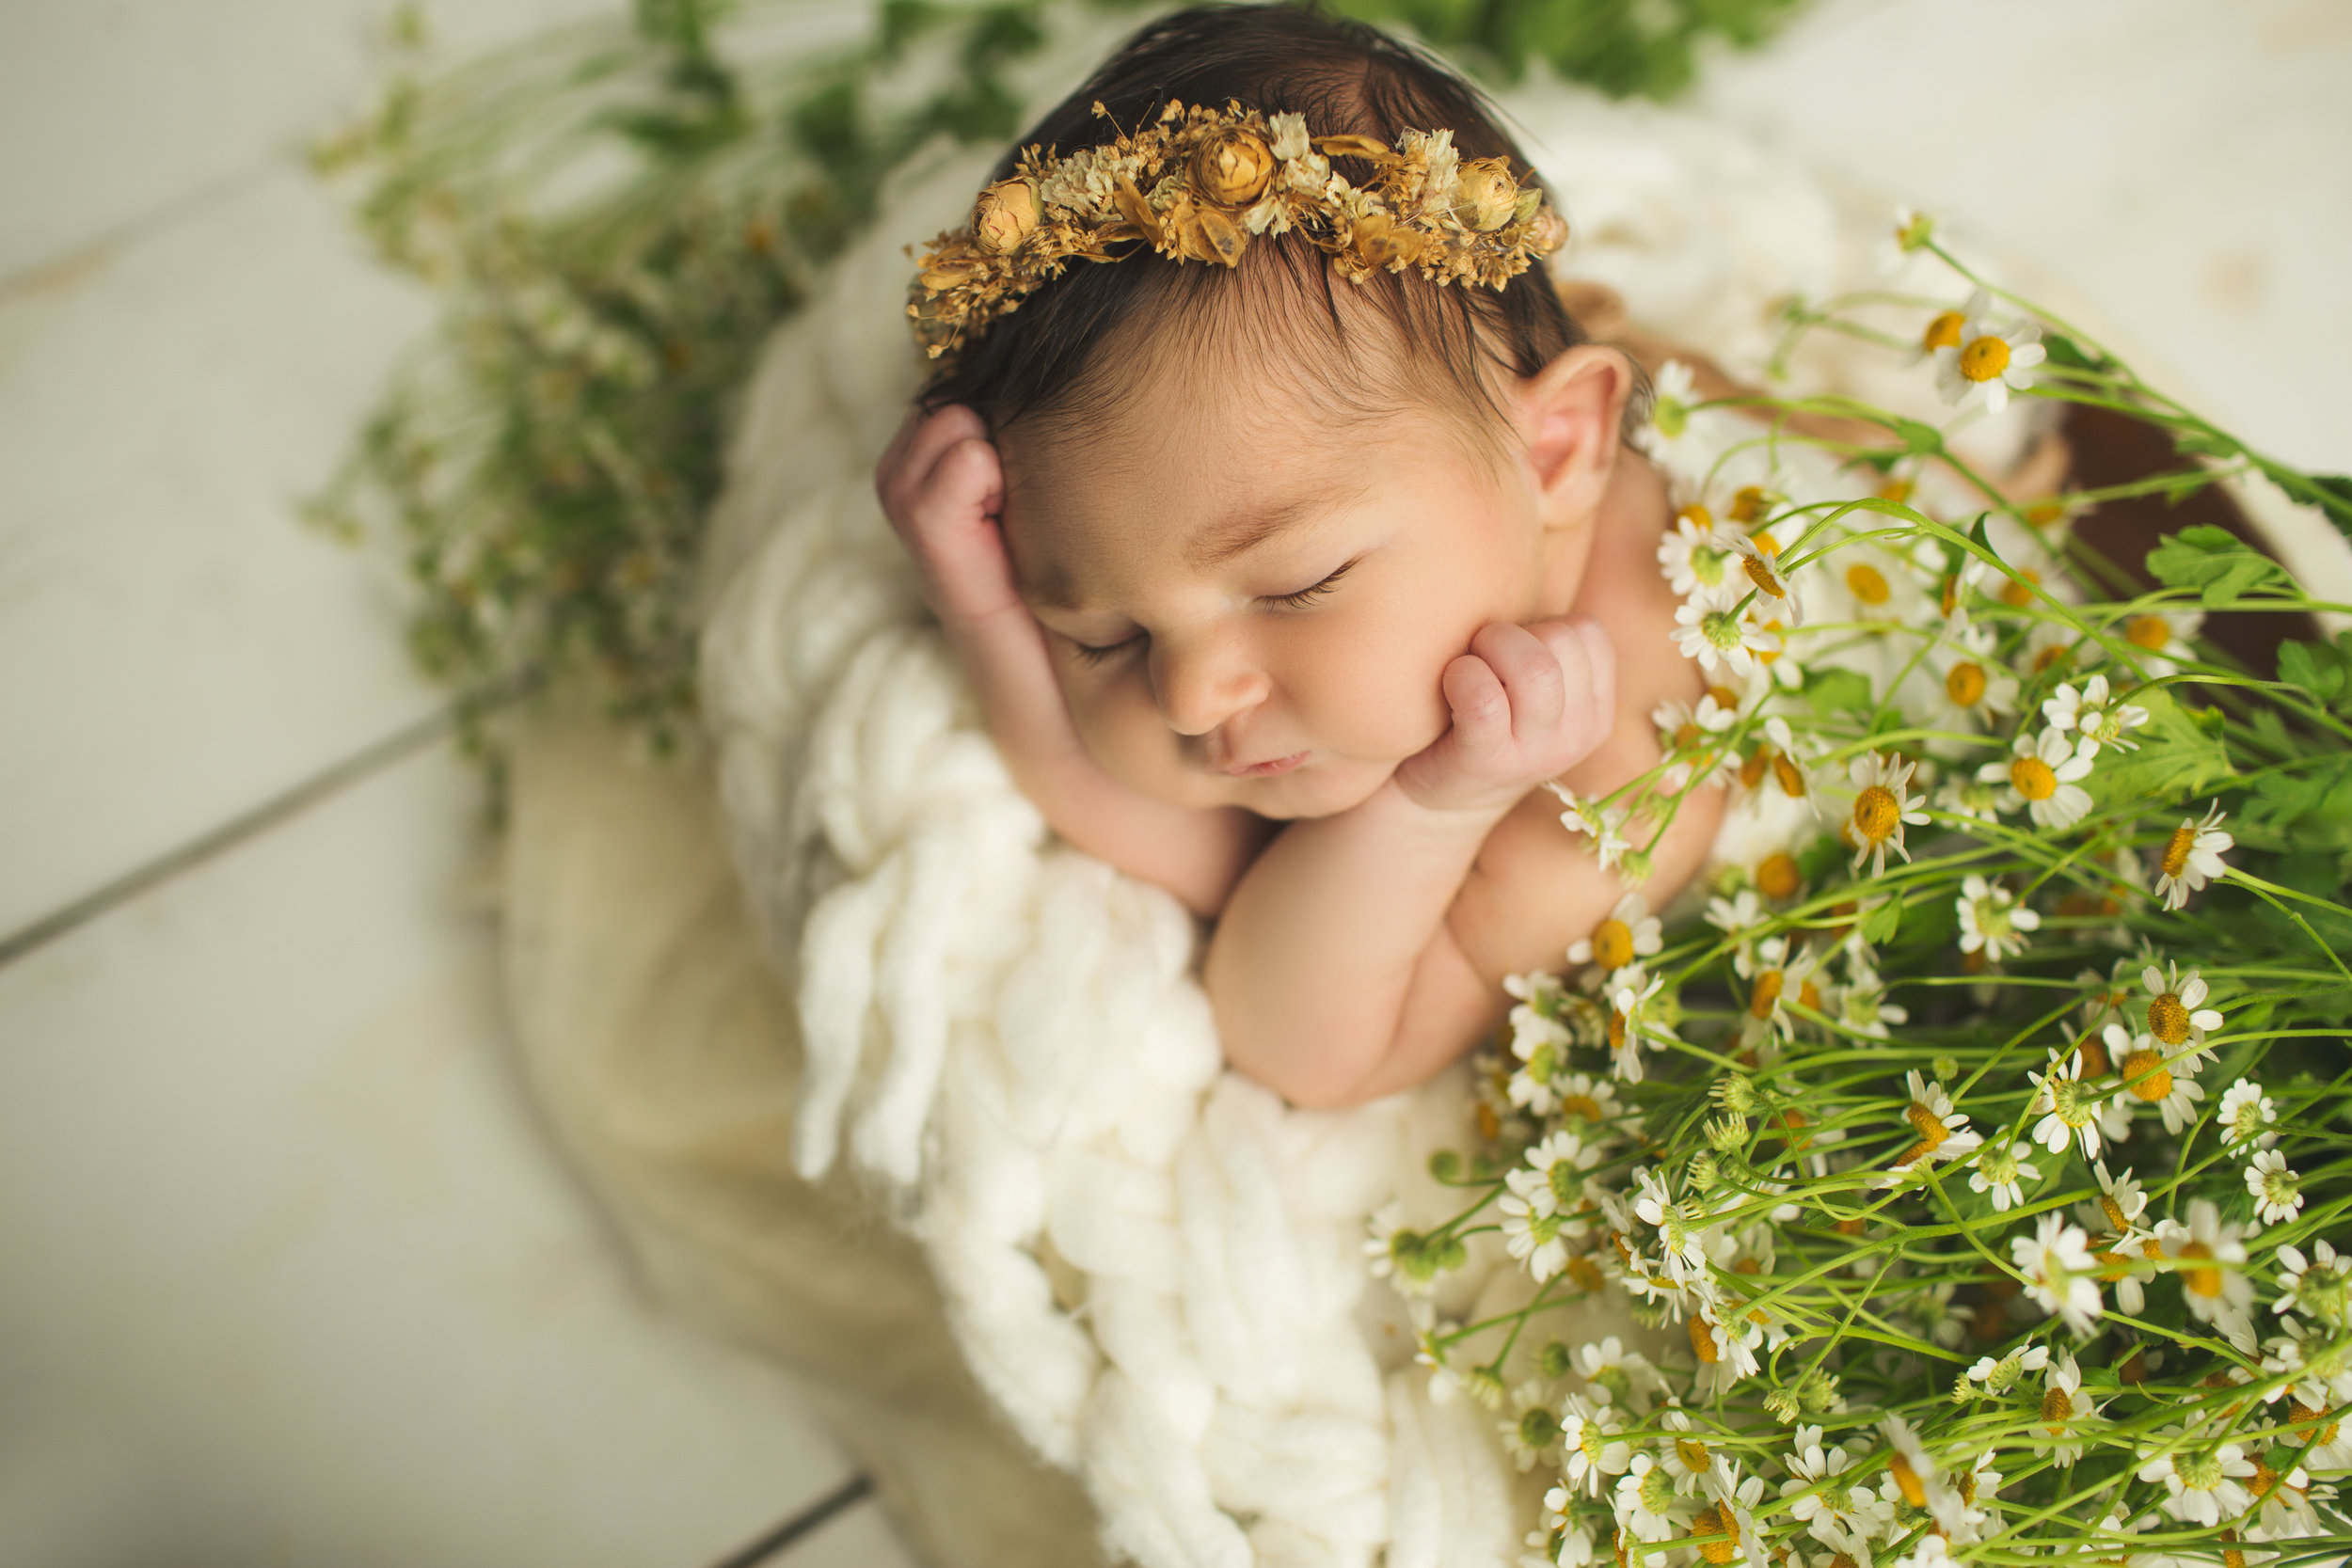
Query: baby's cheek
[1375,697]
[1123,732]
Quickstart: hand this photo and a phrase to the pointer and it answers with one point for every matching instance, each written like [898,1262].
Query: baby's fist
[942,487]
[1527,703]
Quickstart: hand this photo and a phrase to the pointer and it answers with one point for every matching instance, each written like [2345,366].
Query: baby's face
[1246,608]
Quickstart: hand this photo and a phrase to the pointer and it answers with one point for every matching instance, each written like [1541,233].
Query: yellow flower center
[1762,576]
[1712,1533]
[2057,1408]
[2094,1055]
[1696,515]
[1876,812]
[1809,995]
[2114,1213]
[1766,993]
[1766,656]
[2205,1282]
[1580,1105]
[2057,653]
[1747,503]
[2152,632]
[1907,1479]
[1726,698]
[2033,778]
[1752,767]
[1942,332]
[2167,1020]
[1868,584]
[1984,358]
[1586,1273]
[1927,1124]
[1778,876]
[1963,682]
[1702,1340]
[1948,596]
[2017,593]
[1612,944]
[1686,735]
[2145,1072]
[1617,1030]
[1791,776]
[1895,490]
[1693,1454]
[2263,1479]
[2175,857]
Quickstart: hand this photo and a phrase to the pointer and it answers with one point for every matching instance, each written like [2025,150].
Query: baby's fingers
[1480,705]
[1530,669]
[905,467]
[1587,664]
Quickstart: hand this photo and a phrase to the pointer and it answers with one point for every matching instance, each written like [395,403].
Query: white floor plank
[173,645]
[860,1538]
[292,1276]
[2171,170]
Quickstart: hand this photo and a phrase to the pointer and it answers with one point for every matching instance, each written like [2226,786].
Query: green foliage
[2180,755]
[1651,48]
[2322,668]
[2221,566]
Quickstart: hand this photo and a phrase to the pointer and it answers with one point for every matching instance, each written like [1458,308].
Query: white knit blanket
[1154,1267]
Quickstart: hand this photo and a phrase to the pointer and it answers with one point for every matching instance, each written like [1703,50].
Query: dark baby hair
[1047,363]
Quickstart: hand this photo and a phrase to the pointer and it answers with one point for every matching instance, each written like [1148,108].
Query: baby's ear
[1570,414]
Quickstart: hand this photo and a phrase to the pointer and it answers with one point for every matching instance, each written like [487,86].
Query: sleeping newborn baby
[1288,532]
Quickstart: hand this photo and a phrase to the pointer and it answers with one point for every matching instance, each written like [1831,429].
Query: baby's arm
[941,486]
[1335,974]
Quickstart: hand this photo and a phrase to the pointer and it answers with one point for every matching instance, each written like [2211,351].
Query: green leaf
[1919,438]
[2180,755]
[2221,566]
[2318,668]
[1880,926]
[1836,691]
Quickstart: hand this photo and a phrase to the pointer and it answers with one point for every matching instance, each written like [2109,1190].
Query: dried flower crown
[1199,184]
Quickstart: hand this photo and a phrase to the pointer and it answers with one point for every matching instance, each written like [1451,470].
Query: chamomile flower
[1673,399]
[1687,733]
[1992,919]
[2247,1114]
[1882,803]
[2068,1106]
[1684,1452]
[1944,330]
[2093,716]
[1533,1229]
[1977,687]
[1733,915]
[1634,1016]
[2002,1169]
[1862,1005]
[1697,555]
[1776,978]
[2210,1259]
[1618,1376]
[2151,1077]
[2057,1430]
[2319,1286]
[1940,1132]
[1775,597]
[2057,1263]
[1591,1444]
[1988,362]
[2000,1376]
[1912,1478]
[2201,1482]
[2177,1014]
[2278,1191]
[1629,932]
[1592,1100]
[1822,1496]
[1709,628]
[2162,637]
[2121,1202]
[1558,1162]
[2191,857]
[1646,1501]
[1533,1431]
[2042,774]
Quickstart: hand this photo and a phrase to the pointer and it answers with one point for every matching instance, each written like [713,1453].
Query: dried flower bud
[1004,216]
[1551,231]
[1232,168]
[1490,194]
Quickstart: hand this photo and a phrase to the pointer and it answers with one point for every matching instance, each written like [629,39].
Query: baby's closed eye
[1311,592]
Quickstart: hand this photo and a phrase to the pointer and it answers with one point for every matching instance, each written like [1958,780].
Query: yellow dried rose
[1232,168]
[1490,194]
[1004,216]
[1378,242]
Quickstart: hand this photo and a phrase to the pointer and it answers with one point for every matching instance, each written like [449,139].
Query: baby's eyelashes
[1309,594]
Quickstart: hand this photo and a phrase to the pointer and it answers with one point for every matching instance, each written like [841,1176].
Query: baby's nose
[1202,683]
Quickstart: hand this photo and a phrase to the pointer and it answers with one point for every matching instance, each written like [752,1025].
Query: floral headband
[1201,183]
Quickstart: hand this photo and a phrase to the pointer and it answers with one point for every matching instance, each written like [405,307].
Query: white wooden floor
[287,1274]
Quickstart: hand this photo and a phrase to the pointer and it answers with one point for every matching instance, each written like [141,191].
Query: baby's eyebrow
[1240,534]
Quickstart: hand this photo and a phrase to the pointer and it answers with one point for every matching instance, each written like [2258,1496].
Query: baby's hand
[1529,703]
[942,487]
